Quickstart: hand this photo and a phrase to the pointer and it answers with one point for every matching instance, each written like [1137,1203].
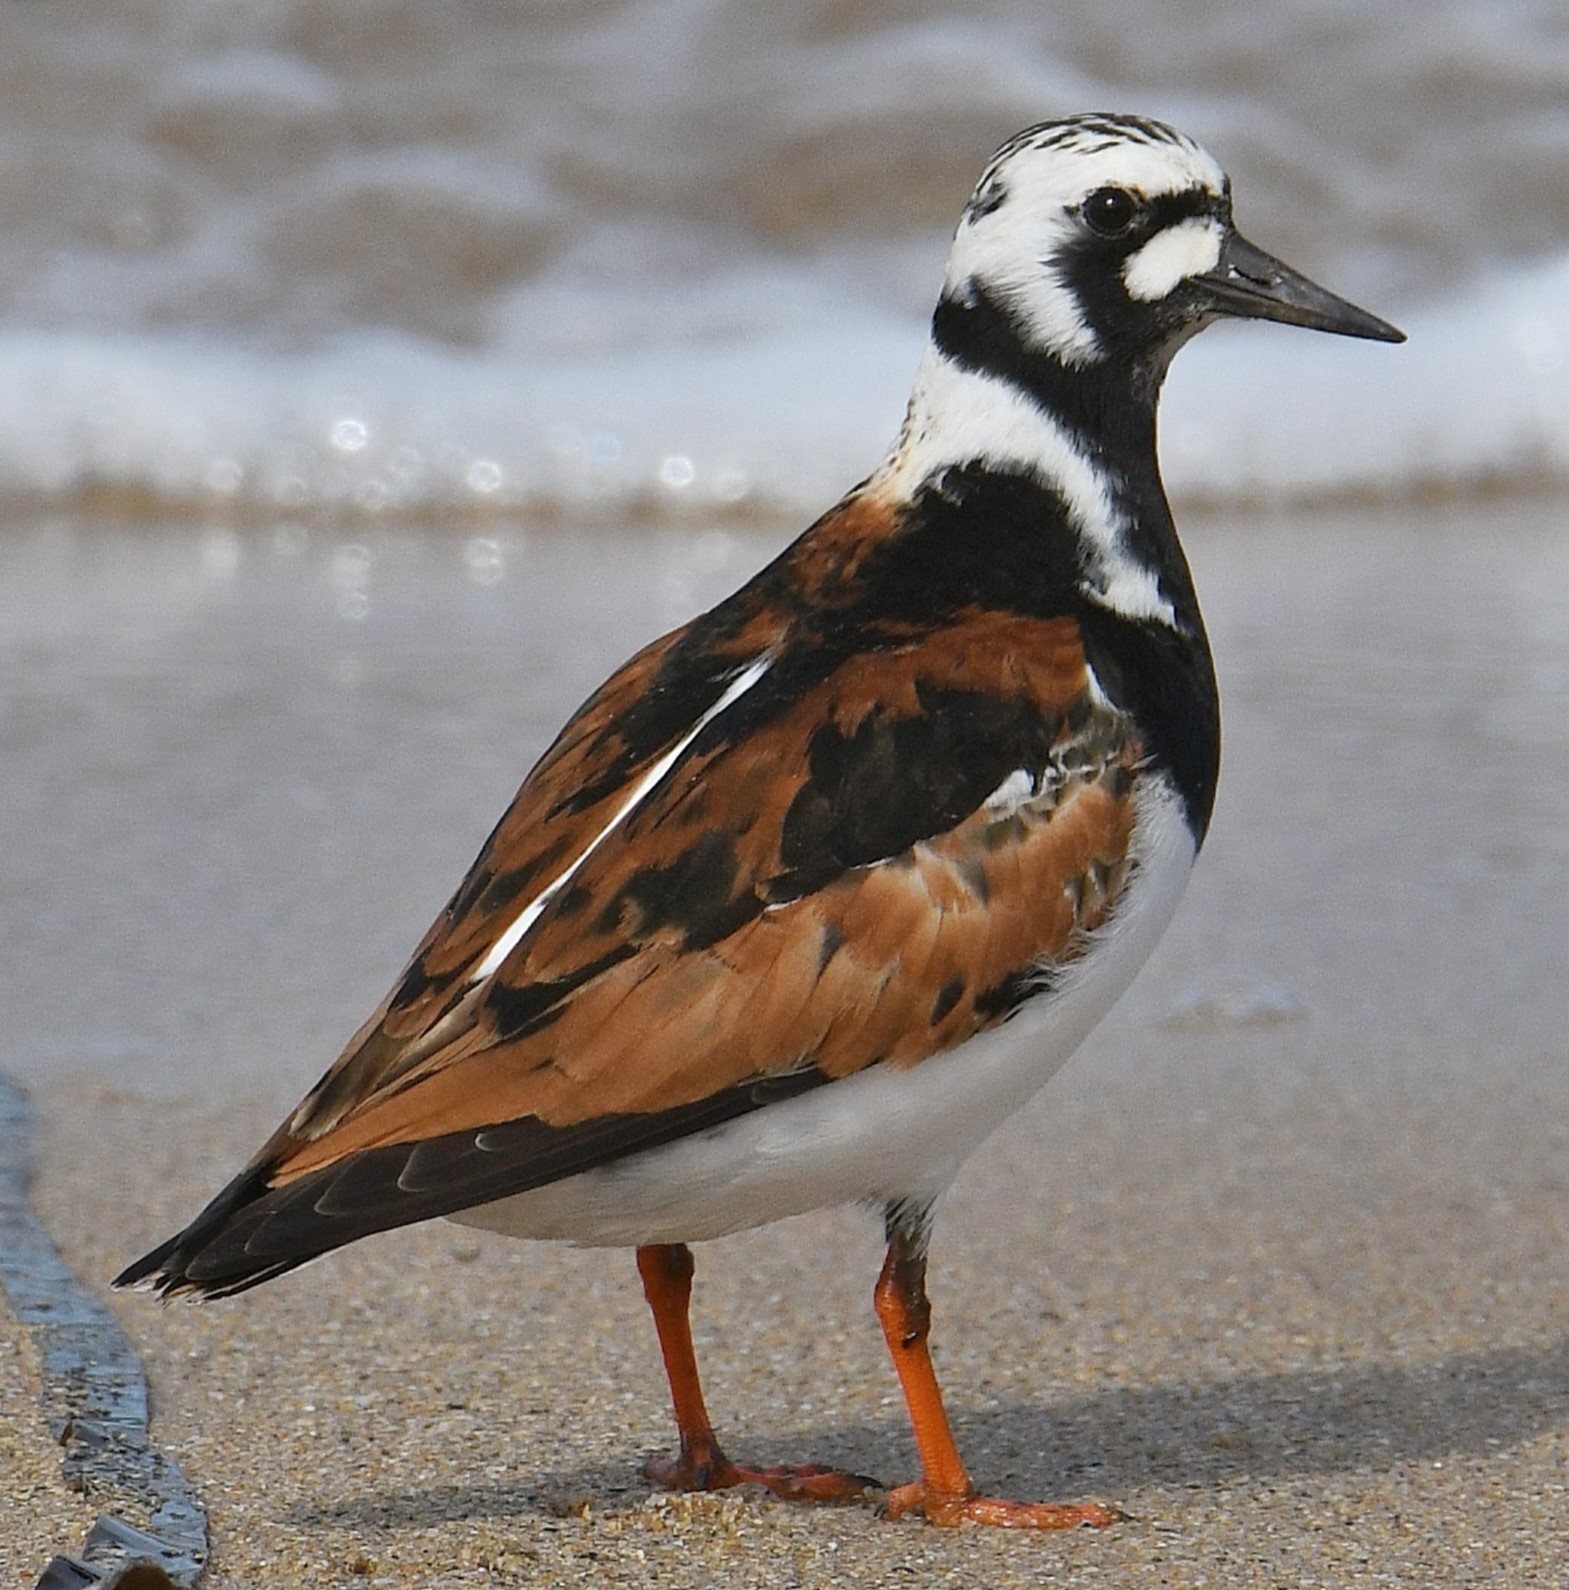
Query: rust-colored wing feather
[714,938]
[877,849]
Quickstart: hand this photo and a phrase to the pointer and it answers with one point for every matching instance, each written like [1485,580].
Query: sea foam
[386,425]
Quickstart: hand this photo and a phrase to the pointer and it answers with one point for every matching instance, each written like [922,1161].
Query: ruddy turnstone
[817,890]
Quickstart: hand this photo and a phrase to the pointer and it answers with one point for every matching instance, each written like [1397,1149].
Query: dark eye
[1109,211]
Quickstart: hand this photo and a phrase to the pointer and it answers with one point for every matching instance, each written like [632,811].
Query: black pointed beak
[1254,285]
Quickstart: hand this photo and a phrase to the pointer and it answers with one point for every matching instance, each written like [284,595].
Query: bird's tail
[211,1257]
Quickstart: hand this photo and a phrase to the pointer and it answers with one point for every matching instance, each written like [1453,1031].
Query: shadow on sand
[1116,1443]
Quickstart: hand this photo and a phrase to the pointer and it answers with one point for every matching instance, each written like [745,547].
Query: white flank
[960,416]
[1190,248]
[646,785]
[885,1133]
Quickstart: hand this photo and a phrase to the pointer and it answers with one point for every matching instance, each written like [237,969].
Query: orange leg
[701,1464]
[944,1492]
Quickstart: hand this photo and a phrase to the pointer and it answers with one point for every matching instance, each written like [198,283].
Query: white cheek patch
[1190,248]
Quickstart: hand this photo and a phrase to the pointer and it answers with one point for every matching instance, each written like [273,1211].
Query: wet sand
[1276,1265]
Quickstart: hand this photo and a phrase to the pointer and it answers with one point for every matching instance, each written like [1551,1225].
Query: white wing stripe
[526,918]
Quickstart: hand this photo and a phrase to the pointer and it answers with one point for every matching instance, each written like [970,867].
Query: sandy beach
[1276,1265]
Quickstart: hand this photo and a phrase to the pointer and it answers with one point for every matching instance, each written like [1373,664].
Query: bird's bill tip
[1253,285]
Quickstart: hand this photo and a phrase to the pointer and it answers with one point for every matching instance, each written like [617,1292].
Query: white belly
[882,1134]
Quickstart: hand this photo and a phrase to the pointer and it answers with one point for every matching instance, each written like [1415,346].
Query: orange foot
[949,1510]
[713,1471]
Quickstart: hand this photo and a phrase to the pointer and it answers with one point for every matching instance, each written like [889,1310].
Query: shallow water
[244,772]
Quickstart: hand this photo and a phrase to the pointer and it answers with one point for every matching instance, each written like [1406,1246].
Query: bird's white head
[1110,237]
[1092,249]
[1072,214]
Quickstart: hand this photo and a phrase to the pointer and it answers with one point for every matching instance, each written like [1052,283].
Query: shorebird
[817,890]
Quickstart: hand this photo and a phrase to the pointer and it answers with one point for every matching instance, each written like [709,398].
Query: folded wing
[874,847]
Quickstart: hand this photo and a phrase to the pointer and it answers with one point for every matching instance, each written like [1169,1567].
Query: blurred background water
[620,258]
[375,376]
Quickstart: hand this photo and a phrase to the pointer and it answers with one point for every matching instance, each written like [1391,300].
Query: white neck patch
[960,416]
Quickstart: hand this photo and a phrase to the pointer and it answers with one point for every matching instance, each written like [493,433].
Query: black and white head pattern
[1061,307]
[1085,229]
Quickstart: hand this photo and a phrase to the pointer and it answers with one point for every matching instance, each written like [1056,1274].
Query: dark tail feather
[253,1230]
[203,1261]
